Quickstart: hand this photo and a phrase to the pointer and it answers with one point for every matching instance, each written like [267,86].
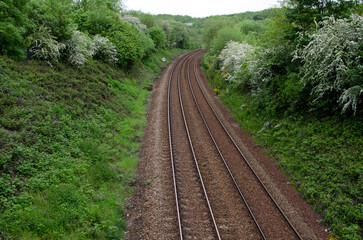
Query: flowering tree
[233,57]
[45,47]
[134,21]
[104,49]
[79,48]
[332,61]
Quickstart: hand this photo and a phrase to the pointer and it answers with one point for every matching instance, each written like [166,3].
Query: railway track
[218,195]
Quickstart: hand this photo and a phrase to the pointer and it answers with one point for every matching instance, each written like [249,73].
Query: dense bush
[45,47]
[96,20]
[333,62]
[79,49]
[233,56]
[147,44]
[127,44]
[134,21]
[104,49]
[55,15]
[223,36]
[211,28]
[158,35]
[248,26]
[13,24]
[179,36]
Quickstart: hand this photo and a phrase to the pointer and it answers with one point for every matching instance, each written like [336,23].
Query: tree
[126,40]
[13,26]
[179,35]
[305,12]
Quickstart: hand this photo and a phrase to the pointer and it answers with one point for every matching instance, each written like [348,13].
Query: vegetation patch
[69,142]
[295,77]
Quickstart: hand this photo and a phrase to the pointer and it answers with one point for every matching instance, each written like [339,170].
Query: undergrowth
[325,153]
[69,142]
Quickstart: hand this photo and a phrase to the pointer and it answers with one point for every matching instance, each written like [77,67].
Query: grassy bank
[69,142]
[325,153]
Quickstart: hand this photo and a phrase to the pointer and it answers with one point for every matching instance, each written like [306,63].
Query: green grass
[324,153]
[69,143]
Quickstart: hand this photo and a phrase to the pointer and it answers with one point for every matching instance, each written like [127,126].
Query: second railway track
[217,193]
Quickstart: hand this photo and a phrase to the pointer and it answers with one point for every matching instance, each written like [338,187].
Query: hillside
[69,142]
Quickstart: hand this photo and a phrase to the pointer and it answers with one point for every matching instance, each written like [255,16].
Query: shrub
[11,39]
[248,26]
[97,20]
[158,35]
[104,49]
[332,62]
[268,63]
[55,15]
[233,56]
[147,44]
[79,48]
[179,35]
[13,26]
[127,44]
[45,47]
[225,35]
[134,21]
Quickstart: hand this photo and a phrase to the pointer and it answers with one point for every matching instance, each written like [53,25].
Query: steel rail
[194,155]
[243,156]
[224,161]
[184,59]
[171,150]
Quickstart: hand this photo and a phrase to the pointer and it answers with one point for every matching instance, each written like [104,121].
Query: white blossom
[134,21]
[79,48]
[232,57]
[104,49]
[45,47]
[331,53]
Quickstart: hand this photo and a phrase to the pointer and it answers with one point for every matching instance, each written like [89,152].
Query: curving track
[204,178]
[217,193]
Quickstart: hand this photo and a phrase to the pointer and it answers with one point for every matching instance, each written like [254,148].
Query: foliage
[324,153]
[55,15]
[127,43]
[104,49]
[79,48]
[233,57]
[278,29]
[69,144]
[256,16]
[211,28]
[179,36]
[158,35]
[96,20]
[13,23]
[45,47]
[248,26]
[293,104]
[305,12]
[222,37]
[332,61]
[145,18]
[147,44]
[134,21]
